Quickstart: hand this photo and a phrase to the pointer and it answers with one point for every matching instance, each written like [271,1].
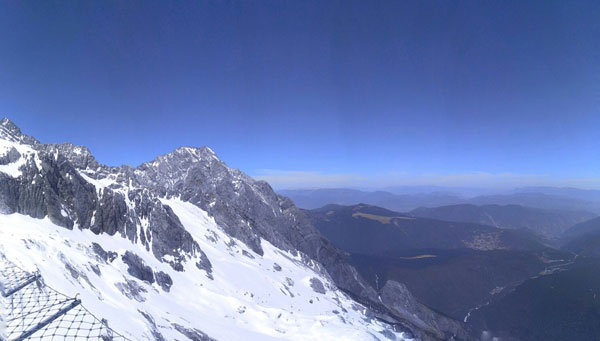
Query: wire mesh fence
[34,311]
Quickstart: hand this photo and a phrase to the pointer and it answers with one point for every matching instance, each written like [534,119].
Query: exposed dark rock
[132,290]
[155,333]
[396,296]
[247,254]
[317,285]
[276,267]
[388,334]
[11,156]
[204,264]
[96,269]
[107,256]
[192,334]
[137,268]
[74,273]
[164,280]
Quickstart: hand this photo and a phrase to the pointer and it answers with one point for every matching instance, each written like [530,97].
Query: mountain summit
[190,247]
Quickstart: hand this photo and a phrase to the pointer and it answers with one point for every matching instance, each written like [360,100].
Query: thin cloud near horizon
[301,179]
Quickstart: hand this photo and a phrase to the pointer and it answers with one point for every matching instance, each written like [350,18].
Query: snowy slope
[2,319]
[185,247]
[250,296]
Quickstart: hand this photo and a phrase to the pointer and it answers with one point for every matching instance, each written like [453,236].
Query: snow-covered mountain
[184,247]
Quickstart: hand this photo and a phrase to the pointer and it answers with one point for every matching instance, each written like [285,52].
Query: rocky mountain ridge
[65,183]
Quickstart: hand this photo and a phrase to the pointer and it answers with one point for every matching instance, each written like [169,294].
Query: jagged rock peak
[66,184]
[10,132]
[187,153]
[199,151]
[79,156]
[199,165]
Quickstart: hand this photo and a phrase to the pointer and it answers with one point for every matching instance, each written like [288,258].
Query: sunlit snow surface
[249,298]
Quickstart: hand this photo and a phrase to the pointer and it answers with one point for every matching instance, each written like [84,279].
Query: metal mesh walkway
[34,311]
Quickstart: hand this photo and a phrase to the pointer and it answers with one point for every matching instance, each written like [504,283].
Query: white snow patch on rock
[13,169]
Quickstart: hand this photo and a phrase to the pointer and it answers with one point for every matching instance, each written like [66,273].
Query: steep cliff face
[47,180]
[65,183]
[248,210]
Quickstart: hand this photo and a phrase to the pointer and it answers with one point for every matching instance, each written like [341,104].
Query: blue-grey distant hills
[545,222]
[576,193]
[546,198]
[368,229]
[315,198]
[583,238]
[538,200]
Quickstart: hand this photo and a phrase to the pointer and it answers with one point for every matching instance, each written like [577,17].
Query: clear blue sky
[316,93]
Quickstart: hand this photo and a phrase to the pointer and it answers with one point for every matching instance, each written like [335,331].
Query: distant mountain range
[370,229]
[584,238]
[538,200]
[583,228]
[576,193]
[544,198]
[420,189]
[545,222]
[311,199]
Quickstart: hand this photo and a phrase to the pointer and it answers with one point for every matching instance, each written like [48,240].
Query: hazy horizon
[317,94]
